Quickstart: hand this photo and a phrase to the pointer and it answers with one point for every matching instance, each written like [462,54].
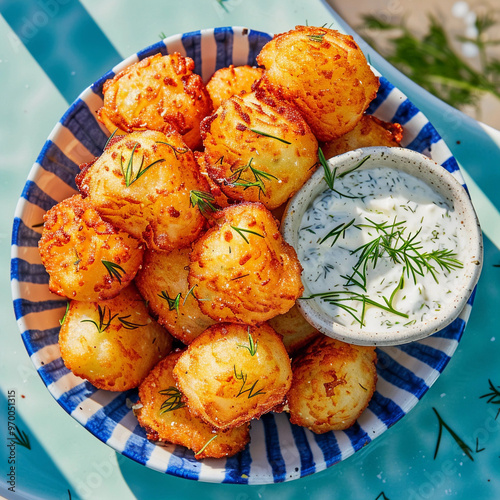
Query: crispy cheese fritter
[243,270]
[294,329]
[258,148]
[233,80]
[370,131]
[163,282]
[87,258]
[324,73]
[164,416]
[157,93]
[142,183]
[233,373]
[333,383]
[220,199]
[113,343]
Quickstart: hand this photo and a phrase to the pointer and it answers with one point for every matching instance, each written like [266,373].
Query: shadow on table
[20,475]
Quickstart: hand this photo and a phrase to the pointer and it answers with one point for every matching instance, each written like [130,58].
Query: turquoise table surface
[50,50]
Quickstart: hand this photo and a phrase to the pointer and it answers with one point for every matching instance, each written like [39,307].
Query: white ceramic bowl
[469,235]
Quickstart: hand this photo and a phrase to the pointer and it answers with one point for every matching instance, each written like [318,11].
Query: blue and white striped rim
[278,450]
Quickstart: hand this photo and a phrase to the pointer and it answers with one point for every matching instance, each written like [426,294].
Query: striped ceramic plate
[278,450]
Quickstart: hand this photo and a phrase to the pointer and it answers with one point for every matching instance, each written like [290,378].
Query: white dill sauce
[383,253]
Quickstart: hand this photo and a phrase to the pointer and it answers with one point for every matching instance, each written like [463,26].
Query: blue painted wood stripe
[307,463]
[357,436]
[383,92]
[432,357]
[238,467]
[103,422]
[53,371]
[23,235]
[34,340]
[183,464]
[400,376]
[192,46]
[55,161]
[386,409]
[256,40]
[273,449]
[37,196]
[64,40]
[224,40]
[27,272]
[82,123]
[329,446]
[72,398]
[22,307]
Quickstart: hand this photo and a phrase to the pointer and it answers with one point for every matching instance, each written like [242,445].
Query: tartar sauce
[381,250]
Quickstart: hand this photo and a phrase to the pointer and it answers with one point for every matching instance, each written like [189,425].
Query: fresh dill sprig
[265,134]
[242,230]
[337,232]
[190,292]
[63,319]
[401,249]
[442,424]
[493,396]
[173,303]
[243,377]
[128,171]
[204,201]
[174,149]
[102,324]
[331,175]
[204,447]
[342,298]
[21,438]
[259,177]
[110,138]
[252,345]
[127,324]
[316,38]
[114,270]
[173,401]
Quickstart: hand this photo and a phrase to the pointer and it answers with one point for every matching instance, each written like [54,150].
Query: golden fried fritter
[233,373]
[333,383]
[157,93]
[233,80]
[294,329]
[86,258]
[258,148]
[370,131]
[220,199]
[165,417]
[324,73]
[243,270]
[142,184]
[113,343]
[163,282]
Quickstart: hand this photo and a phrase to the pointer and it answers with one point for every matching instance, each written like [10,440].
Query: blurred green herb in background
[433,63]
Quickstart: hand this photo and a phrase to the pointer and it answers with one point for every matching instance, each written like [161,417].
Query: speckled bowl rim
[441,181]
